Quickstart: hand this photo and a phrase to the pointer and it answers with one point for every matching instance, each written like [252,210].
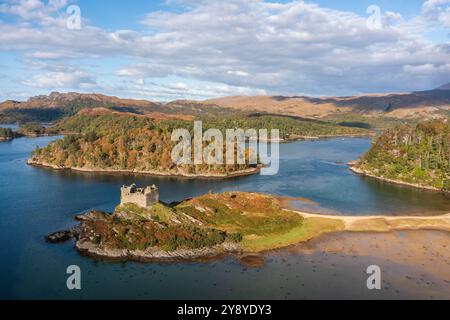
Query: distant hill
[49,108]
[444,87]
[58,105]
[398,105]
[414,105]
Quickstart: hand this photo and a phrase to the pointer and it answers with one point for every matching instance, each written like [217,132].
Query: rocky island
[144,229]
[102,141]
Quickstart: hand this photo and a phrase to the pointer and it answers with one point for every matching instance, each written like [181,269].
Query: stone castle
[143,197]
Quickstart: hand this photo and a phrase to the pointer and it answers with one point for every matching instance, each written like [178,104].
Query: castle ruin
[143,197]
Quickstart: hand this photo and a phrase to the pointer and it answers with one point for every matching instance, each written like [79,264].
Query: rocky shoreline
[293,137]
[25,135]
[353,166]
[155,173]
[352,224]
[88,247]
[117,236]
[153,254]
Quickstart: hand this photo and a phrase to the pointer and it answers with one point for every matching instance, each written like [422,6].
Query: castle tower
[142,197]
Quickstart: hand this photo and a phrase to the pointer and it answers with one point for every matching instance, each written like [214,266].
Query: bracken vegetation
[205,221]
[417,154]
[143,234]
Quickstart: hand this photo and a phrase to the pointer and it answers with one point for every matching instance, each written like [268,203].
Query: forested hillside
[417,154]
[117,141]
[6,134]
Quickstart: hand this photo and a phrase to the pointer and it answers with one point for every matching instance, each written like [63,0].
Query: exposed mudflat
[418,260]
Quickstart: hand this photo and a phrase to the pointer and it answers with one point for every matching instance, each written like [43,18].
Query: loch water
[35,202]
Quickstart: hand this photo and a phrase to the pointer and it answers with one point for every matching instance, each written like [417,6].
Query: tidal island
[142,228]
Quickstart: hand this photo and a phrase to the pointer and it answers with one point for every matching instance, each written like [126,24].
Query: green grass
[268,221]
[310,228]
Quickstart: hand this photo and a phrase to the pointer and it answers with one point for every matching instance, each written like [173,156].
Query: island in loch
[240,223]
[102,141]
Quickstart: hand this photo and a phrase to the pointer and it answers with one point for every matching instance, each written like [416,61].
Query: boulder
[60,236]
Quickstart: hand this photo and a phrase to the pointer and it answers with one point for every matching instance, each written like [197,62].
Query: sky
[199,49]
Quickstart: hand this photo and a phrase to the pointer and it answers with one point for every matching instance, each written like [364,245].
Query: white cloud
[174,90]
[53,55]
[77,79]
[146,70]
[391,18]
[427,69]
[437,11]
[238,73]
[241,47]
[34,10]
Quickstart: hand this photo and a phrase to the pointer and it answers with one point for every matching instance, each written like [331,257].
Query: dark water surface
[35,202]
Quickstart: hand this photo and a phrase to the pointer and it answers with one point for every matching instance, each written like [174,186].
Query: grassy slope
[308,229]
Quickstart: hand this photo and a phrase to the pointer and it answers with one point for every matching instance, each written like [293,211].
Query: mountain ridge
[57,105]
[444,87]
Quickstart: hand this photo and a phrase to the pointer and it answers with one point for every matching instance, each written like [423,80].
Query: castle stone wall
[143,197]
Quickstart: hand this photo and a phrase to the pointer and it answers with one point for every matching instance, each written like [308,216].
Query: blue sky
[186,49]
[122,14]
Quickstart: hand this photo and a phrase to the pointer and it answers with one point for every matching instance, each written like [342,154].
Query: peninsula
[412,155]
[144,229]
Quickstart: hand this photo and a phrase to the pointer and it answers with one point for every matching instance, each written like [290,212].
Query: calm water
[35,202]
